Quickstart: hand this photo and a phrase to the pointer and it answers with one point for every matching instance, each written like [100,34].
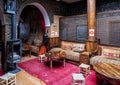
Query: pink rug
[59,75]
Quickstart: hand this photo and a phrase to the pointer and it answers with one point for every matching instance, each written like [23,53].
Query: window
[114,35]
[81,33]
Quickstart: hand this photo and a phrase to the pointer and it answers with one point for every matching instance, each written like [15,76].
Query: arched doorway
[32,24]
[39,7]
[44,13]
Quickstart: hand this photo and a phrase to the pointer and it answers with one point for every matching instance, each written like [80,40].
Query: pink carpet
[59,75]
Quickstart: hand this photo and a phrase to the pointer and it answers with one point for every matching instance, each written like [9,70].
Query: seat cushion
[111,52]
[75,56]
[56,49]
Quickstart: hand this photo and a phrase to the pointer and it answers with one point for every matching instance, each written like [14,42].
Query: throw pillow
[62,54]
[57,53]
[78,47]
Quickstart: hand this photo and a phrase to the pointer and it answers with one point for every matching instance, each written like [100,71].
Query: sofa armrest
[85,58]
[96,52]
[82,51]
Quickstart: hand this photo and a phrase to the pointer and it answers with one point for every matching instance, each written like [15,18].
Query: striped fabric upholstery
[75,56]
[71,55]
[111,52]
[71,49]
[98,59]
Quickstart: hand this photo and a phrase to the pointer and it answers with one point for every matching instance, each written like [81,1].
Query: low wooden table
[52,57]
[110,72]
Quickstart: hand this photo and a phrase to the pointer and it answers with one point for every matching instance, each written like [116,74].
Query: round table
[109,71]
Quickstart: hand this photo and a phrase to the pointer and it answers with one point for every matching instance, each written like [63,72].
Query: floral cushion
[62,54]
[57,53]
[78,47]
[67,46]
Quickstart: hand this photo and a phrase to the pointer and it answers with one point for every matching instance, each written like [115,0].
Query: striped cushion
[111,52]
[98,59]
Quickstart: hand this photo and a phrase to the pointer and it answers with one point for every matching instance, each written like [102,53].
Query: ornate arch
[40,7]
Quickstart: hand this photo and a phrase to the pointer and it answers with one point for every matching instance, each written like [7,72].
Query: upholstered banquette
[108,55]
[71,49]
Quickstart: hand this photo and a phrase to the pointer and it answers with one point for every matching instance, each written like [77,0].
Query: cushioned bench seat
[71,49]
[108,55]
[98,59]
[75,56]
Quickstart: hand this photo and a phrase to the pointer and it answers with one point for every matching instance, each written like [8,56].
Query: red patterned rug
[59,75]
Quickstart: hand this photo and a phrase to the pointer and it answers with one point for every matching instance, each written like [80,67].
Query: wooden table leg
[64,62]
[51,63]
[29,53]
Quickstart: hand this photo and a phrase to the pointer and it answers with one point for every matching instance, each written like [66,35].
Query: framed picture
[91,32]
